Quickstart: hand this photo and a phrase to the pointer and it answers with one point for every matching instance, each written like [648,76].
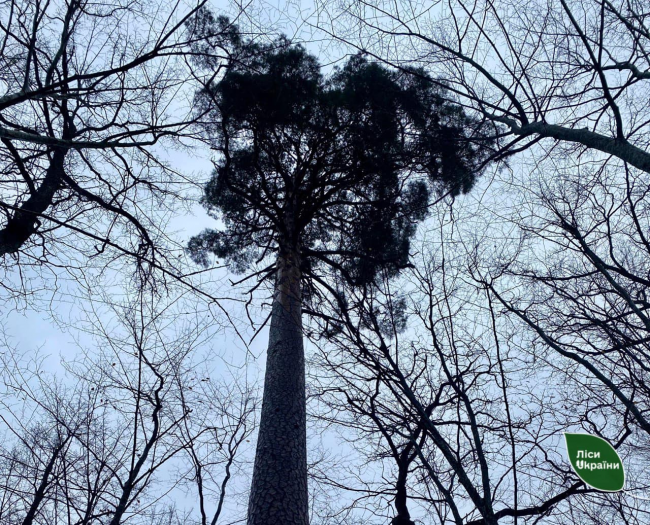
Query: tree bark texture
[279,488]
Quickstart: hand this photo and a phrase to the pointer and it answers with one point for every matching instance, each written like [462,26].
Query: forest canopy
[353,262]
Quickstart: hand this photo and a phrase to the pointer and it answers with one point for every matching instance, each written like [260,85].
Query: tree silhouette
[88,92]
[326,174]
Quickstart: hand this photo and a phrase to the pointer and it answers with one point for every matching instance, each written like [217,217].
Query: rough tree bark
[279,487]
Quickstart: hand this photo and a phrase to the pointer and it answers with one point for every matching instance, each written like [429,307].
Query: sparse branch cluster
[459,405]
[572,71]
[88,93]
[136,433]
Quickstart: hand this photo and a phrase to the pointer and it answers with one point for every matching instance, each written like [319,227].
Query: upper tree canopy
[337,170]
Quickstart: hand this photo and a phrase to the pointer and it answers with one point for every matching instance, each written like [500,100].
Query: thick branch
[25,220]
[620,148]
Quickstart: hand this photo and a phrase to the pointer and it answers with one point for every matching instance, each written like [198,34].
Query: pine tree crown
[338,168]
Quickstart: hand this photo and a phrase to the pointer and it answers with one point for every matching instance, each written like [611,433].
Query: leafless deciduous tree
[575,71]
[91,95]
[585,298]
[461,407]
[136,433]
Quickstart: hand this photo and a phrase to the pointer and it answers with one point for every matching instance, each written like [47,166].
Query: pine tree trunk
[279,489]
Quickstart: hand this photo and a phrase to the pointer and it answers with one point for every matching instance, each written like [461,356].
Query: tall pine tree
[323,174]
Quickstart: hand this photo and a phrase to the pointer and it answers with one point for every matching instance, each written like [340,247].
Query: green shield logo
[595,462]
